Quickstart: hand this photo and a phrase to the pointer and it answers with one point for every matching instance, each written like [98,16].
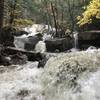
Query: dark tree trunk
[46,16]
[54,16]
[1,13]
[71,13]
[12,14]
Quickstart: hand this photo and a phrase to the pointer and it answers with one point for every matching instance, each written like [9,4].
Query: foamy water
[21,84]
[72,76]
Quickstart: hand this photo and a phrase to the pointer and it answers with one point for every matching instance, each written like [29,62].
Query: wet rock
[58,44]
[2,69]
[32,41]
[88,38]
[91,48]
[5,60]
[26,42]
[31,55]
[43,61]
[7,35]
[18,58]
[19,33]
[23,93]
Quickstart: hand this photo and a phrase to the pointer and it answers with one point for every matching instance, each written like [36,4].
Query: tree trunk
[54,16]
[12,13]
[1,13]
[71,13]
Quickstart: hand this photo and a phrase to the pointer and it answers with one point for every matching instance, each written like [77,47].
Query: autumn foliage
[91,11]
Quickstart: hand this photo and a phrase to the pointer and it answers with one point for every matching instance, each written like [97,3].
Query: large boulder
[27,42]
[89,38]
[18,59]
[58,44]
[7,35]
[20,32]
[32,41]
[4,60]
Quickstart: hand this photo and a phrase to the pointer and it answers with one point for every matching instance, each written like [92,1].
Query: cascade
[75,35]
[40,47]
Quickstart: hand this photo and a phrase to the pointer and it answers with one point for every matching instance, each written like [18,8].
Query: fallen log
[31,55]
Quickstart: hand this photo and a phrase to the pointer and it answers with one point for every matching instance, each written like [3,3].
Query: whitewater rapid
[66,76]
[21,83]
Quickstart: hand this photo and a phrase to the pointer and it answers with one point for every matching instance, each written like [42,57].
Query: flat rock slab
[32,56]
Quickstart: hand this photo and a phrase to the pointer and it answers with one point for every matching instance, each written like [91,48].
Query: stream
[66,76]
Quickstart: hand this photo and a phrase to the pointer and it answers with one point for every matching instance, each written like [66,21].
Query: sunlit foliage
[92,12]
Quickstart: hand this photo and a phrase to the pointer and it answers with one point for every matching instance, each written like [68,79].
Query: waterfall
[40,47]
[75,35]
[20,41]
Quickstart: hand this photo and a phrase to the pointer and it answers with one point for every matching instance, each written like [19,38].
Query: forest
[57,13]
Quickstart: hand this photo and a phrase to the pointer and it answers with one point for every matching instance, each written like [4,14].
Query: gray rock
[31,43]
[58,44]
[88,38]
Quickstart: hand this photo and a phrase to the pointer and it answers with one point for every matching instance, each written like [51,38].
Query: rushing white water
[72,76]
[37,28]
[20,41]
[73,50]
[40,47]
[91,48]
[47,37]
[75,35]
[21,83]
